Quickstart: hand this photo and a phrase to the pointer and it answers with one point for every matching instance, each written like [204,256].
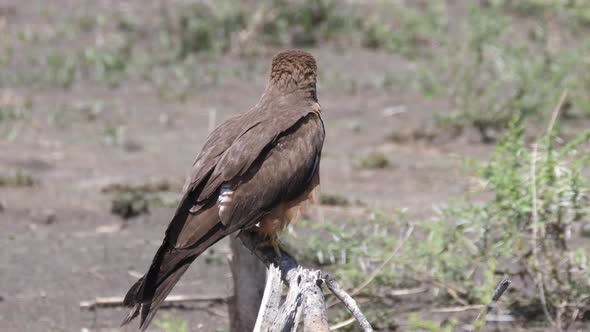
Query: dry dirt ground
[59,243]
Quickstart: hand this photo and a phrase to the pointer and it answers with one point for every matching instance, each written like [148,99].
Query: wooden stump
[249,275]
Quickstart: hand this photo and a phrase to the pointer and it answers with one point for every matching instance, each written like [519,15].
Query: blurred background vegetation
[509,79]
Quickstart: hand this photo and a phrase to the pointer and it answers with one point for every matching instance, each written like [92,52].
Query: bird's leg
[272,241]
[279,257]
[276,245]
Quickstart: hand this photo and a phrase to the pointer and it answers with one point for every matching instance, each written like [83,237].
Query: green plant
[351,250]
[539,196]
[575,12]
[172,324]
[334,200]
[129,201]
[491,77]
[411,30]
[129,204]
[417,323]
[300,23]
[199,27]
[113,135]
[14,107]
[18,179]
[105,64]
[479,79]
[374,160]
[61,68]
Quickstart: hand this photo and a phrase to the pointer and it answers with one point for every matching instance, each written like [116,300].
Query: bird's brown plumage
[254,172]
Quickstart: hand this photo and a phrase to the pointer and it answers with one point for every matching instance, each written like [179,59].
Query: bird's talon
[277,248]
[274,243]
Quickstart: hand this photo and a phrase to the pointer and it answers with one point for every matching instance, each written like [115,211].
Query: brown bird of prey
[254,173]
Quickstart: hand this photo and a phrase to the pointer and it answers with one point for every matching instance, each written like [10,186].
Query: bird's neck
[289,90]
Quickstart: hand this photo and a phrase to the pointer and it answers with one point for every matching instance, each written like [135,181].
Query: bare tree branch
[348,301]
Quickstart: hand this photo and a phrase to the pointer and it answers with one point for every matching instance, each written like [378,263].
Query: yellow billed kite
[254,173]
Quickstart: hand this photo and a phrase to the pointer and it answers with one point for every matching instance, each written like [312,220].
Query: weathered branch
[348,301]
[270,300]
[305,298]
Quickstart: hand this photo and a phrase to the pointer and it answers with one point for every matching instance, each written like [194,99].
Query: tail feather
[147,294]
[132,314]
[188,235]
[149,310]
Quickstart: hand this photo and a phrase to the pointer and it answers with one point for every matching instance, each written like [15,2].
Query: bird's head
[293,71]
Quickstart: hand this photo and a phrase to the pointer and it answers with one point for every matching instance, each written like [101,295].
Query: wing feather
[233,147]
[282,173]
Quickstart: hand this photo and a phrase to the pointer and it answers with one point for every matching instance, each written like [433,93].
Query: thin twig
[349,302]
[534,239]
[556,110]
[458,309]
[342,324]
[452,290]
[501,318]
[455,296]
[407,291]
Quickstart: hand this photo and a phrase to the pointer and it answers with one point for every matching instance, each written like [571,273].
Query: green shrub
[14,106]
[172,324]
[539,199]
[493,76]
[18,179]
[197,27]
[374,160]
[411,31]
[300,23]
[350,250]
[575,12]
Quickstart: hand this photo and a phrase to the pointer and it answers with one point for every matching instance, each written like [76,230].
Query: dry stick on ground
[305,298]
[447,310]
[115,301]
